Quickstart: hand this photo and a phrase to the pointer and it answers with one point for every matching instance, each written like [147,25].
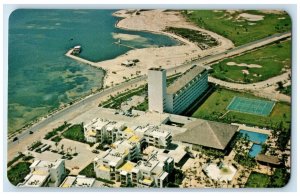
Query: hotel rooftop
[185,79]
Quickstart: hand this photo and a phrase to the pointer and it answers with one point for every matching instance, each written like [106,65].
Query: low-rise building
[45,173]
[77,181]
[105,165]
[100,130]
[158,137]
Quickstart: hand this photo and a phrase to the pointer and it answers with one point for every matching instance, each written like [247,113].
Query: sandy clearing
[245,71]
[128,37]
[243,65]
[155,21]
[251,17]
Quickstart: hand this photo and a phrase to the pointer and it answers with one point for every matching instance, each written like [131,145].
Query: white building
[77,181]
[158,137]
[157,85]
[153,170]
[186,89]
[105,165]
[45,173]
[100,130]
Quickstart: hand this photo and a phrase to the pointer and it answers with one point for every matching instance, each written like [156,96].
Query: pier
[77,58]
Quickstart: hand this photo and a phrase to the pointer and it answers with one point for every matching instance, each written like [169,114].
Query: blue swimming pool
[257,138]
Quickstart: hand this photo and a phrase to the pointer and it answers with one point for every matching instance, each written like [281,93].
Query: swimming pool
[257,138]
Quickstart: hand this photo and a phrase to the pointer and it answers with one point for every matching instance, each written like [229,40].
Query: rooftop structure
[78,181]
[207,133]
[186,90]
[45,173]
[267,159]
[185,79]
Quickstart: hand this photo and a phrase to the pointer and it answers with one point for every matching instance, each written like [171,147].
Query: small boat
[76,49]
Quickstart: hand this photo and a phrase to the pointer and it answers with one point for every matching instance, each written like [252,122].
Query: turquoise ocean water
[40,77]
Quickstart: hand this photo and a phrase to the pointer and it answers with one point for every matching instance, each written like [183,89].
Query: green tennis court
[251,106]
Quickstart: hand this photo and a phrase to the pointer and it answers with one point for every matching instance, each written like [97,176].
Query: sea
[41,78]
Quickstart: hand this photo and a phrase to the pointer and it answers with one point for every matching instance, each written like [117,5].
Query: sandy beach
[155,21]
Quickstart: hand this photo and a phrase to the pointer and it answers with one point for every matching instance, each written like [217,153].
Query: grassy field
[257,180]
[88,171]
[238,29]
[272,59]
[75,132]
[279,179]
[18,172]
[215,107]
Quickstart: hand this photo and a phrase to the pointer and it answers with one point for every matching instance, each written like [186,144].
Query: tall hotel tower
[157,85]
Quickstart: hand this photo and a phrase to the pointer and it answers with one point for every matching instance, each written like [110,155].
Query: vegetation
[287,90]
[239,30]
[18,172]
[116,101]
[142,106]
[35,145]
[20,155]
[105,181]
[210,152]
[175,178]
[257,180]
[55,131]
[245,160]
[203,40]
[56,139]
[75,132]
[214,108]
[88,171]
[273,59]
[279,179]
[283,136]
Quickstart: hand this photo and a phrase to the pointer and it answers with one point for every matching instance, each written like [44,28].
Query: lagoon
[41,78]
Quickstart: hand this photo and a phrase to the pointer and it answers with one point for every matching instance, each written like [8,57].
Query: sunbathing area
[222,172]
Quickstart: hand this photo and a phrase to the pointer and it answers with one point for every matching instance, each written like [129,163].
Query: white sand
[128,37]
[155,21]
[244,71]
[243,65]
[214,172]
[251,17]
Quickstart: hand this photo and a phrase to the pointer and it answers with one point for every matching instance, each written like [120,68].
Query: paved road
[93,100]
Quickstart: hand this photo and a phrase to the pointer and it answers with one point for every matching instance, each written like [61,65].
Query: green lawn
[215,107]
[272,59]
[143,106]
[88,171]
[75,132]
[18,172]
[279,179]
[257,180]
[237,29]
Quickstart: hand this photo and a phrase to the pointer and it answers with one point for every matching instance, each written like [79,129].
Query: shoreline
[110,79]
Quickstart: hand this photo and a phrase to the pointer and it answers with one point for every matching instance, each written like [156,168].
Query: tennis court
[251,106]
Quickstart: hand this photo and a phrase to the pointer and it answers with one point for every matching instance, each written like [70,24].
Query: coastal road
[69,113]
